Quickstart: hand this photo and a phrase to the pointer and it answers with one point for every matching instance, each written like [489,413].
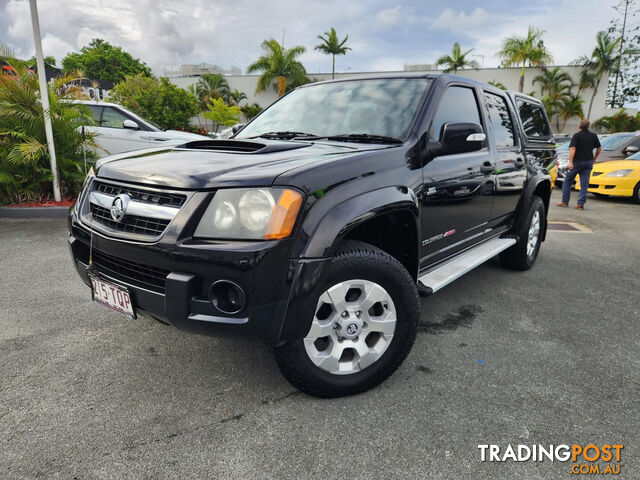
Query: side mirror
[458,137]
[130,124]
[631,149]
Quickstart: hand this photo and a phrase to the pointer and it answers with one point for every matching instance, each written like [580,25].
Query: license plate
[112,296]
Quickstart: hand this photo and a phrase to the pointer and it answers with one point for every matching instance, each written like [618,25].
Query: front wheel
[636,193]
[523,254]
[364,325]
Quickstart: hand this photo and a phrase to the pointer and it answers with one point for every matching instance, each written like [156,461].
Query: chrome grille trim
[141,209]
[148,215]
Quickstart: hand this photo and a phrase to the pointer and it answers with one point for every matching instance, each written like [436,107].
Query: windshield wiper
[364,138]
[285,135]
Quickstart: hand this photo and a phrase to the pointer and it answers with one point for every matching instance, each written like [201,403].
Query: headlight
[255,209]
[250,214]
[619,173]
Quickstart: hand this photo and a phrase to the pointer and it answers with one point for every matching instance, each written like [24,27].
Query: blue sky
[383,35]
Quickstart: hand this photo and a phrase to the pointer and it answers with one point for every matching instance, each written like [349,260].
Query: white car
[118,130]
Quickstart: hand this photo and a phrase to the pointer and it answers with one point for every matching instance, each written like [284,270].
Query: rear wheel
[523,254]
[364,325]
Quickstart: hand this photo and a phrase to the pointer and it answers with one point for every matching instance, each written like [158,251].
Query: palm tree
[586,80]
[25,173]
[570,106]
[210,86]
[605,58]
[236,97]
[525,50]
[456,60]
[331,45]
[555,85]
[278,64]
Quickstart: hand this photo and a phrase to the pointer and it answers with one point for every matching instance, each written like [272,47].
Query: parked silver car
[119,130]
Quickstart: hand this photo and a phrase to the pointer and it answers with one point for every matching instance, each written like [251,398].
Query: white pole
[44,97]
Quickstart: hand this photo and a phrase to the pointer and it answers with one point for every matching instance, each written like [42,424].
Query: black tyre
[523,254]
[363,328]
[636,193]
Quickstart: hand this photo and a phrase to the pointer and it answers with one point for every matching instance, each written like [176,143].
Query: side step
[459,265]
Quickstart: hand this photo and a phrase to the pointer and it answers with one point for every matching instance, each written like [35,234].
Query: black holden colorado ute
[317,225]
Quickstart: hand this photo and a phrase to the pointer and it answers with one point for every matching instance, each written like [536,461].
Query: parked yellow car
[618,178]
[553,171]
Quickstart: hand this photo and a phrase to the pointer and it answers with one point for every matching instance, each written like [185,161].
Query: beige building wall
[509,77]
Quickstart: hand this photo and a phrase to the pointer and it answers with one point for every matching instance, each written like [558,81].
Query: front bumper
[618,186]
[170,279]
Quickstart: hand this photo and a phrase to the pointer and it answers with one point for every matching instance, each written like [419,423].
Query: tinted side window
[500,120]
[458,104]
[533,120]
[96,113]
[113,118]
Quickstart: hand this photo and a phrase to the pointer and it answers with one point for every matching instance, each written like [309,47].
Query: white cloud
[566,37]
[167,33]
[475,22]
[389,17]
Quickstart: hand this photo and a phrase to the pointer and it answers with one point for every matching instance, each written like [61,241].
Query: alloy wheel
[353,325]
[534,233]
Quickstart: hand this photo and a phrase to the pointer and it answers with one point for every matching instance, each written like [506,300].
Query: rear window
[533,120]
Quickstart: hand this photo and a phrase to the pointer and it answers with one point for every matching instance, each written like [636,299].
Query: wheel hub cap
[353,326]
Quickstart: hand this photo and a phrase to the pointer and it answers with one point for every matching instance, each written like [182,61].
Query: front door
[456,194]
[112,137]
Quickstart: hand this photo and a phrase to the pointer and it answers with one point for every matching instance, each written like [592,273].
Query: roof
[444,76]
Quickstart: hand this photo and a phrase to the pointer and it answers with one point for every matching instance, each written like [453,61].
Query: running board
[459,265]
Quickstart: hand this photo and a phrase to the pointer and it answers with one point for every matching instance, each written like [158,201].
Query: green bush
[25,173]
[159,101]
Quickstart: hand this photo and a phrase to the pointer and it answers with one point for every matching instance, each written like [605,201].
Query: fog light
[227,296]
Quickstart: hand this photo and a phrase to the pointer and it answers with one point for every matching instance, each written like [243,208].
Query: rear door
[456,193]
[510,173]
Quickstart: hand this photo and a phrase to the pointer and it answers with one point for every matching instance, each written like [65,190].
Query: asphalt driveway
[548,356]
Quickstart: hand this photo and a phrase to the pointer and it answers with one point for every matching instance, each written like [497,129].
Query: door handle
[519,162]
[487,168]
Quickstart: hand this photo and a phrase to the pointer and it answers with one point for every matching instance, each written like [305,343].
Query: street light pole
[44,97]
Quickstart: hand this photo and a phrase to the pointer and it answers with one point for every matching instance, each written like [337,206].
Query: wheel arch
[321,235]
[538,186]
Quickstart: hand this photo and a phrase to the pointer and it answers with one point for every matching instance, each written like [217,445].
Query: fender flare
[323,234]
[532,185]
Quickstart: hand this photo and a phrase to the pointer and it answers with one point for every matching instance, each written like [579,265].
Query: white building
[509,77]
[191,70]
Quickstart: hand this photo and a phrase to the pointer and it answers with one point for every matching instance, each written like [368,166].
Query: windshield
[373,107]
[635,156]
[615,141]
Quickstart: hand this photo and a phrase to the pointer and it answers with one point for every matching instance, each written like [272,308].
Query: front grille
[132,273]
[150,196]
[130,223]
[593,185]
